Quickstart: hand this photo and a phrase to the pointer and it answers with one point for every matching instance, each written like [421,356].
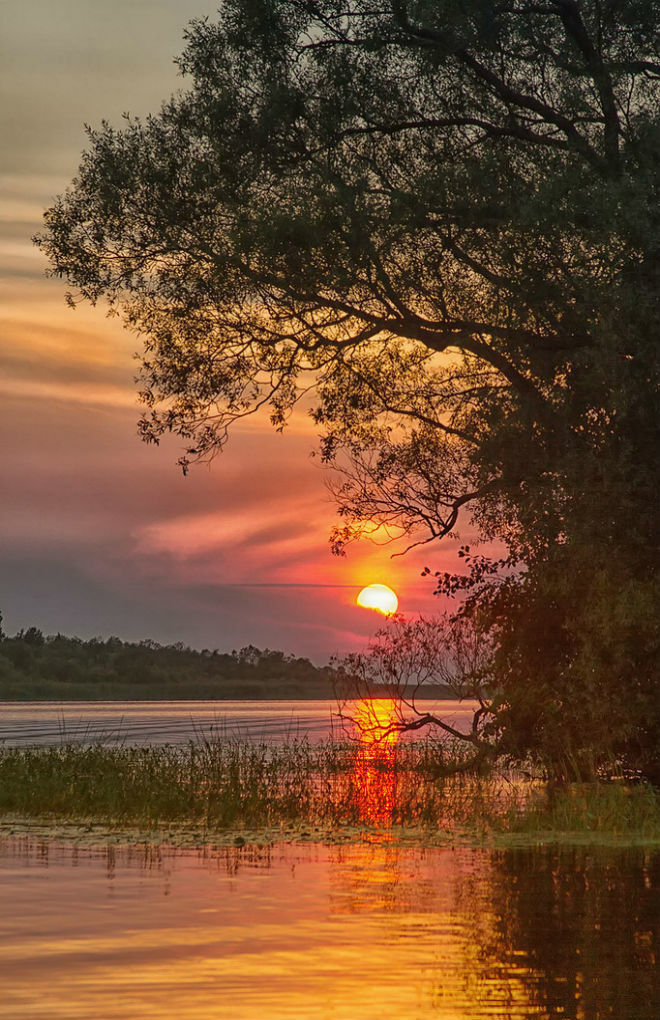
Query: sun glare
[378,597]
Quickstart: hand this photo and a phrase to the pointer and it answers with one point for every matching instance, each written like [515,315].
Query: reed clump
[220,784]
[613,809]
[227,784]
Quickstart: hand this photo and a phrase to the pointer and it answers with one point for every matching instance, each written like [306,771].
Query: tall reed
[229,784]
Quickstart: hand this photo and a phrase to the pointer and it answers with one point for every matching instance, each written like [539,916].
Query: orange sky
[101,534]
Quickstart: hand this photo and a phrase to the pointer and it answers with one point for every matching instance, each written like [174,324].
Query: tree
[443,218]
[406,662]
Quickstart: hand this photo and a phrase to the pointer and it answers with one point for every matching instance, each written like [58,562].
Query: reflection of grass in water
[225,784]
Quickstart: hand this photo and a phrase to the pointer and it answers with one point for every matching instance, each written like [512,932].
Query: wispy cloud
[98,532]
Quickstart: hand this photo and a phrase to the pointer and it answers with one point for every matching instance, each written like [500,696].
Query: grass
[228,785]
[613,810]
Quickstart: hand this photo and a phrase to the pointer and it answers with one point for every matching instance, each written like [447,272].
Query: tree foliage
[442,218]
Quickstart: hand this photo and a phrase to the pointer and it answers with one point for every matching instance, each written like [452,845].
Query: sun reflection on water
[374,775]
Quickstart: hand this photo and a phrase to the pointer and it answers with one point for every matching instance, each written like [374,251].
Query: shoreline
[378,696]
[95,833]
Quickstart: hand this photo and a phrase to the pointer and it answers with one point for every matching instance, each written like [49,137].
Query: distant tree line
[34,666]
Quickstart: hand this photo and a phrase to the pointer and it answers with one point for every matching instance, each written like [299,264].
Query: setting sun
[378,597]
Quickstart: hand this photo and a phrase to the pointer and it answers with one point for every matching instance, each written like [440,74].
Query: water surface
[177,722]
[356,932]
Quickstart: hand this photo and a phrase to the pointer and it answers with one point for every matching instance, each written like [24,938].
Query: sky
[100,534]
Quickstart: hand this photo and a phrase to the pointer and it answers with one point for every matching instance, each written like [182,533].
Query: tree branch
[511,96]
[569,12]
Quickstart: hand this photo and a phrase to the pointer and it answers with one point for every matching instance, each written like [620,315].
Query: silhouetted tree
[444,217]
[412,662]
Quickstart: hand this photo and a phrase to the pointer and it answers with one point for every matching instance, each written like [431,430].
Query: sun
[378,597]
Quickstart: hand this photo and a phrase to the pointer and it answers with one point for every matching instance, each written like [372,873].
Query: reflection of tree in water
[580,927]
[518,934]
[442,901]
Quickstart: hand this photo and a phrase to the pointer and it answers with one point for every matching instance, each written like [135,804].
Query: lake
[353,930]
[361,931]
[177,722]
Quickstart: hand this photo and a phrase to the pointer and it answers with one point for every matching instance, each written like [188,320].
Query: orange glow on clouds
[233,556]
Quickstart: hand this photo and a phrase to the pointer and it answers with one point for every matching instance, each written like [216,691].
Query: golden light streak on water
[373,774]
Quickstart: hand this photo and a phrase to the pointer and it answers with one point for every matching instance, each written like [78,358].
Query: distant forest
[36,667]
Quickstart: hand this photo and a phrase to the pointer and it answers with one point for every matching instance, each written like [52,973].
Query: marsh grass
[612,809]
[227,784]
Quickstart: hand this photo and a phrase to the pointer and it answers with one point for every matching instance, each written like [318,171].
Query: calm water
[362,931]
[177,722]
[358,932]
